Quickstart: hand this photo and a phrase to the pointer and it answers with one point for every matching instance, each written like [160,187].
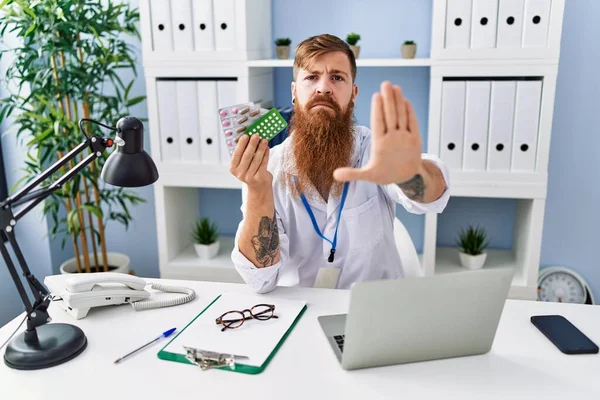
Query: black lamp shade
[129,165]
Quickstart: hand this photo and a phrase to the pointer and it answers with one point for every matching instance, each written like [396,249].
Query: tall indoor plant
[66,66]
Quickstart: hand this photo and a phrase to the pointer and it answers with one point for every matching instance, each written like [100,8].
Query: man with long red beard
[318,209]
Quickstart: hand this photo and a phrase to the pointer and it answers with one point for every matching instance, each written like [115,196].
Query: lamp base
[58,343]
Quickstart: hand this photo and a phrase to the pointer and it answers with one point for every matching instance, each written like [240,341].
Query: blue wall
[571,217]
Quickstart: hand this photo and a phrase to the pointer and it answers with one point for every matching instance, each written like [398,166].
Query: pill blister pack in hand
[247,118]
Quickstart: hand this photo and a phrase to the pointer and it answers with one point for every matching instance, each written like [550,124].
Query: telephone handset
[80,292]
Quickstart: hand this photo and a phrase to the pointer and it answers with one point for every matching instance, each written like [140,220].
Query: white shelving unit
[464,45]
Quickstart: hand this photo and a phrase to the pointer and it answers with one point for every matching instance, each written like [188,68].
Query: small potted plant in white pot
[472,243]
[282,47]
[206,238]
[352,39]
[409,49]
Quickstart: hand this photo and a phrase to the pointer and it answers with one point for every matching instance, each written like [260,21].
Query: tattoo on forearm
[414,188]
[266,241]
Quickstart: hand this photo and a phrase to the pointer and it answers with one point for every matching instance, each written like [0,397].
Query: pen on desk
[164,334]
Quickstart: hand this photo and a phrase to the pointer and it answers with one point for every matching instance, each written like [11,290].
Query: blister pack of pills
[247,118]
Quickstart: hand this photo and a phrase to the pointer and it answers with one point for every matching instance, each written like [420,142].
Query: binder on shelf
[162,33]
[187,117]
[166,93]
[247,349]
[510,23]
[224,20]
[458,24]
[181,17]
[209,122]
[483,24]
[227,95]
[477,106]
[452,124]
[204,27]
[502,108]
[525,132]
[536,22]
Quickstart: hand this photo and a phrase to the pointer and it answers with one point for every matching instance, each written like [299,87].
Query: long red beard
[322,140]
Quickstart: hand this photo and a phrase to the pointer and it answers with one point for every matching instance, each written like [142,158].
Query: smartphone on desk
[564,334]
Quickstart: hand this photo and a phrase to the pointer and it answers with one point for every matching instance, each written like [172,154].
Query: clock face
[561,287]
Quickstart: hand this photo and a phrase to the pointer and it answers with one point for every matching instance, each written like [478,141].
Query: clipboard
[202,343]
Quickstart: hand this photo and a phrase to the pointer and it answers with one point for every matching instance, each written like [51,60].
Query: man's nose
[323,87]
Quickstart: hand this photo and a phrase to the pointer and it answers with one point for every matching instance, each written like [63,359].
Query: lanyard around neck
[314,221]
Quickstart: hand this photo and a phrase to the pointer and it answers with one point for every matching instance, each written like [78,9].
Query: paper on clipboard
[254,339]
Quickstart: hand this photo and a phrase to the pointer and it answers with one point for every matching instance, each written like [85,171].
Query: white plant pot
[472,262]
[207,251]
[117,262]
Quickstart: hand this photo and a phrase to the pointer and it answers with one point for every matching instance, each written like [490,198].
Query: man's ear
[354,92]
[293,89]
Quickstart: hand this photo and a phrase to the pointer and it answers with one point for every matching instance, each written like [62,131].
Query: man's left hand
[395,143]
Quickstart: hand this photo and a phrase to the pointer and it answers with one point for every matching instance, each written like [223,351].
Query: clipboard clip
[206,359]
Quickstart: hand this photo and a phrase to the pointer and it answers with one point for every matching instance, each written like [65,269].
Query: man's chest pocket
[365,226]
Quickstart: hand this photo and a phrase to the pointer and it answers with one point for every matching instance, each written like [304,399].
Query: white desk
[521,364]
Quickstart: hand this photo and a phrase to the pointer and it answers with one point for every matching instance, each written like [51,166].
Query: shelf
[361,62]
[447,262]
[187,265]
[512,185]
[194,174]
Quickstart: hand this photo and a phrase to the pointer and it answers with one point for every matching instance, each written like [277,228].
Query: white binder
[477,107]
[452,126]
[227,91]
[209,121]
[181,17]
[168,124]
[510,23]
[204,26]
[224,12]
[502,108]
[187,112]
[160,15]
[458,24]
[527,114]
[483,24]
[536,22]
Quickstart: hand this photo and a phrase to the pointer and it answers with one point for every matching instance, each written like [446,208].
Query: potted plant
[352,39]
[409,49]
[282,47]
[472,243]
[206,238]
[68,63]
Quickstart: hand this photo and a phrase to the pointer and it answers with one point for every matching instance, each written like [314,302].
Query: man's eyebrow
[333,71]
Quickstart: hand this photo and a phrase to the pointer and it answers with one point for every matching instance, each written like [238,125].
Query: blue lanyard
[314,221]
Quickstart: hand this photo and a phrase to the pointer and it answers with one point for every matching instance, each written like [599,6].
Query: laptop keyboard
[339,339]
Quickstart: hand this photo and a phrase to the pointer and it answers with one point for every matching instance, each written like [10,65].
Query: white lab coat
[366,249]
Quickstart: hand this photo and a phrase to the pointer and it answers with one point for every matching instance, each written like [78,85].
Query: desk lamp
[41,345]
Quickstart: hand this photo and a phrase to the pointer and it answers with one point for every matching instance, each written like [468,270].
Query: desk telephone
[77,293]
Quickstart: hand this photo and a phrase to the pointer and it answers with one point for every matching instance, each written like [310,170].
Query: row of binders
[480,24]
[189,120]
[490,125]
[198,25]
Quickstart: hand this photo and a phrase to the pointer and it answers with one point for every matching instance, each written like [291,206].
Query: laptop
[419,319]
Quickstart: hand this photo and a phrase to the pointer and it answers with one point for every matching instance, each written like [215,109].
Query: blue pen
[164,334]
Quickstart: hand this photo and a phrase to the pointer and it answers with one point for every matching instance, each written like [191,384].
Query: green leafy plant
[205,231]
[352,38]
[472,240]
[409,42]
[283,41]
[67,63]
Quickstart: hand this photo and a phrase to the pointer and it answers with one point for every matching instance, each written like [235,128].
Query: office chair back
[406,250]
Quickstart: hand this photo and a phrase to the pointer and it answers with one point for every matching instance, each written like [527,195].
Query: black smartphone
[564,334]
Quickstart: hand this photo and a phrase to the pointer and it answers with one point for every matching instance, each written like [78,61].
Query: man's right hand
[249,163]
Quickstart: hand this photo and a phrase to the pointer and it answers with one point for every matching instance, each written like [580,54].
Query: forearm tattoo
[266,241]
[414,188]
